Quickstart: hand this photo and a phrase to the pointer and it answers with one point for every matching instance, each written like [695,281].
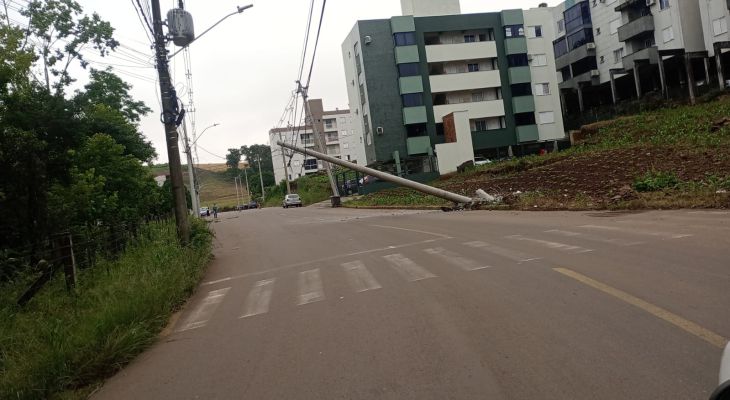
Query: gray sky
[244,70]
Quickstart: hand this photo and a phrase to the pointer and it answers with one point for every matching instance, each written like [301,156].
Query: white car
[204,211]
[291,200]
[479,160]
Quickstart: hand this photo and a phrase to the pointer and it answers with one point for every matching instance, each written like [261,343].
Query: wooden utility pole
[170,115]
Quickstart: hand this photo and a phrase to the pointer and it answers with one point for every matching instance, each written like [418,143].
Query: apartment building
[431,88]
[341,138]
[715,15]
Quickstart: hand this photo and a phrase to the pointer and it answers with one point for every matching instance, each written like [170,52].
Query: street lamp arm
[201,133]
[239,9]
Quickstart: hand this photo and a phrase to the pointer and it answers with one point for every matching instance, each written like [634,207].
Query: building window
[346,146]
[539,60]
[480,125]
[477,96]
[561,26]
[473,67]
[663,4]
[408,69]
[329,123]
[618,55]
[534,31]
[560,47]
[412,99]
[542,89]
[547,117]
[580,38]
[469,39]
[523,119]
[668,34]
[517,60]
[719,26]
[358,61]
[577,16]
[405,38]
[310,164]
[362,94]
[521,89]
[514,31]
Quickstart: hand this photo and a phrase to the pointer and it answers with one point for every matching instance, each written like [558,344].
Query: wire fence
[79,248]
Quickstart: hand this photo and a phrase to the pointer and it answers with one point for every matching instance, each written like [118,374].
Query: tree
[61,34]
[258,152]
[107,88]
[233,159]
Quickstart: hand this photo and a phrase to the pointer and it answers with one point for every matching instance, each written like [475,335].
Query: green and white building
[434,87]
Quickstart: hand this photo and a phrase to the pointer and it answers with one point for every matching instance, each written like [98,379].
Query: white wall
[545,74]
[423,8]
[353,81]
[603,14]
[451,155]
[711,11]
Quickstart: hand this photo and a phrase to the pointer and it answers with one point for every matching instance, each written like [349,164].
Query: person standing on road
[215,211]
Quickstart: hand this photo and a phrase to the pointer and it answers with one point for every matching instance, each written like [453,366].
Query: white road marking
[552,245]
[360,278]
[202,313]
[501,251]
[319,260]
[666,235]
[709,212]
[442,236]
[259,298]
[593,238]
[407,268]
[455,259]
[310,287]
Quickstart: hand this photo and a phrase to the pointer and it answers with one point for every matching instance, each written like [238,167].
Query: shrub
[653,181]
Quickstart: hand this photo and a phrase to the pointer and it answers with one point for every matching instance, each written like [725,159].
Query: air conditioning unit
[595,73]
[368,40]
[379,130]
[591,46]
[650,2]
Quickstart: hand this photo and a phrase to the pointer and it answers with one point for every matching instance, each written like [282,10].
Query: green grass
[59,344]
[397,197]
[312,189]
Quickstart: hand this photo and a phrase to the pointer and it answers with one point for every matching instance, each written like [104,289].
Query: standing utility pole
[286,171]
[238,198]
[169,118]
[261,176]
[248,191]
[318,139]
[191,173]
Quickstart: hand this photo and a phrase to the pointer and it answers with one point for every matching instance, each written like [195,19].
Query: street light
[201,133]
[239,9]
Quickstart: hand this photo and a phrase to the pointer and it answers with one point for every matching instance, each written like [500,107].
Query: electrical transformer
[180,25]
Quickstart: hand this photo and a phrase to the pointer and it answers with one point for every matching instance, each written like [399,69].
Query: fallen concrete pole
[440,193]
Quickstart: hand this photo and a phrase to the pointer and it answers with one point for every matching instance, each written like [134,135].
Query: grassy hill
[671,158]
[216,186]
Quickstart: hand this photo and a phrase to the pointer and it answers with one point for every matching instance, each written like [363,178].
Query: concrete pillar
[614,95]
[707,70]
[563,105]
[637,81]
[663,78]
[396,157]
[580,99]
[718,61]
[690,78]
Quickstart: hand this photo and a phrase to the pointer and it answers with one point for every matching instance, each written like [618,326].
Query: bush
[654,181]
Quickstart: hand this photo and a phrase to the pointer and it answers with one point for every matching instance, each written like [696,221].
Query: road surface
[316,303]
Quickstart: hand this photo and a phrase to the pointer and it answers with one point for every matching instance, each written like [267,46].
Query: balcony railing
[640,26]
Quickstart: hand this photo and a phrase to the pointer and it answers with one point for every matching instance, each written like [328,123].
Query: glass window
[469,39]
[514,31]
[522,119]
[539,60]
[618,55]
[719,26]
[580,38]
[560,47]
[577,16]
[405,38]
[517,60]
[542,89]
[473,67]
[561,26]
[362,94]
[412,99]
[663,4]
[408,69]
[547,117]
[521,89]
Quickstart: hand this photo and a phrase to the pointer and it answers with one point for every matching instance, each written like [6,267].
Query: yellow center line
[674,319]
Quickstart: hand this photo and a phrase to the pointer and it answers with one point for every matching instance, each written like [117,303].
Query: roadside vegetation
[675,157]
[311,188]
[61,344]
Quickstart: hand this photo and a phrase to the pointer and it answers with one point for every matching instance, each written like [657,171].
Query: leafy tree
[15,63]
[233,158]
[61,33]
[106,88]
[258,152]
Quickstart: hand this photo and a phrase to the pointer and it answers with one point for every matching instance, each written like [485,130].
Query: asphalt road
[317,303]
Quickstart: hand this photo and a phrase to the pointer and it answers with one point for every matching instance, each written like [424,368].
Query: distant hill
[216,187]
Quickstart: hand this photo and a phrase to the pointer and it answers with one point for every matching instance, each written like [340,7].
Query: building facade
[341,137]
[411,79]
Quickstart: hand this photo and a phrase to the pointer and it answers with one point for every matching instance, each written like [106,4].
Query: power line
[212,154]
[316,42]
[306,39]
[143,20]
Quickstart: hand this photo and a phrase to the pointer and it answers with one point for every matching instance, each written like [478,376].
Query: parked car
[252,204]
[204,211]
[292,200]
[480,160]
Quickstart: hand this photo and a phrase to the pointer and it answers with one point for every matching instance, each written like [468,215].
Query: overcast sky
[244,69]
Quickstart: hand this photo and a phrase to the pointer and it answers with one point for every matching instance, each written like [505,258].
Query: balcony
[586,77]
[519,75]
[575,55]
[414,115]
[528,133]
[332,140]
[649,54]
[490,139]
[465,81]
[479,109]
[637,27]
[418,145]
[523,104]
[461,51]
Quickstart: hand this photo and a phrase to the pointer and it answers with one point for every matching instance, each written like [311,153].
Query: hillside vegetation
[676,157]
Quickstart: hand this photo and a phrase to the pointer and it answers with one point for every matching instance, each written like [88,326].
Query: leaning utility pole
[318,139]
[286,171]
[169,118]
[191,173]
